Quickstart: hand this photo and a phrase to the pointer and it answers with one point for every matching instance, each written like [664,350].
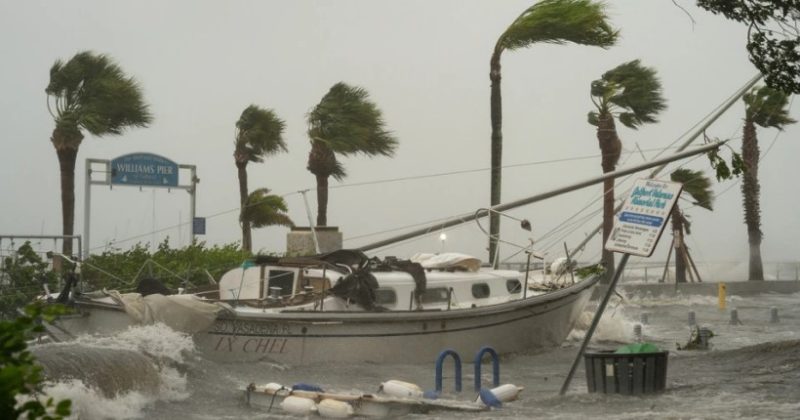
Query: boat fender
[298,406]
[502,393]
[334,409]
[489,399]
[271,388]
[306,387]
[400,389]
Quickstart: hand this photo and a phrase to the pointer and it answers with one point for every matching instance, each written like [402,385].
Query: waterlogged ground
[753,370]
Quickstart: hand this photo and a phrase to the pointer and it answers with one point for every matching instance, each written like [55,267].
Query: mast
[532,199]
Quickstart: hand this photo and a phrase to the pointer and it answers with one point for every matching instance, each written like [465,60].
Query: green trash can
[626,373]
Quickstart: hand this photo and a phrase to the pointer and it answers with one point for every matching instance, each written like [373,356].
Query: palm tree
[553,22]
[767,108]
[89,92]
[259,133]
[631,93]
[345,122]
[698,186]
[262,209]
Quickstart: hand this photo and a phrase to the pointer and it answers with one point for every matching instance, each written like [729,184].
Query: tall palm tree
[259,133]
[553,22]
[631,93]
[89,92]
[698,186]
[262,209]
[765,107]
[345,122]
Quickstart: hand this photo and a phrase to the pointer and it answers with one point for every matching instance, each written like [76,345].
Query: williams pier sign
[144,169]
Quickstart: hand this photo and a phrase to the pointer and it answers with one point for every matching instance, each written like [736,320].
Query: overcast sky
[426,65]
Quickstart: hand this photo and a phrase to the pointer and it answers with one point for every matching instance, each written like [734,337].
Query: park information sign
[641,221]
[144,169]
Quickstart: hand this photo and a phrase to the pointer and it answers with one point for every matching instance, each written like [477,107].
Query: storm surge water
[752,370]
[119,376]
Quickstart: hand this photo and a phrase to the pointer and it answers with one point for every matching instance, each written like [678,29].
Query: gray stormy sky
[425,63]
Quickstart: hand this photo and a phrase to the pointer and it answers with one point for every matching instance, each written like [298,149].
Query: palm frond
[767,107]
[259,133]
[97,93]
[633,89]
[558,22]
[349,123]
[697,185]
[264,209]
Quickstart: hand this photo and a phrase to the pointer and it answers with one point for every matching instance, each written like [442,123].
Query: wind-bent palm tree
[262,209]
[89,92]
[698,186]
[345,122]
[553,22]
[259,133]
[631,93]
[765,107]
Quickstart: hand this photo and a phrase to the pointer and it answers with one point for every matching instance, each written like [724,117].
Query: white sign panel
[639,224]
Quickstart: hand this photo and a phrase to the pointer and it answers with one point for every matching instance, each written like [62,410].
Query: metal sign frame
[106,170]
[640,223]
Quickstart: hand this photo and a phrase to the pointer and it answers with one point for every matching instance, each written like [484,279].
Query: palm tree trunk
[496,110]
[247,239]
[751,191]
[610,147]
[322,200]
[680,258]
[66,162]
[67,139]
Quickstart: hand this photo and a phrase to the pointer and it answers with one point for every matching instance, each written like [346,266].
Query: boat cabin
[301,286]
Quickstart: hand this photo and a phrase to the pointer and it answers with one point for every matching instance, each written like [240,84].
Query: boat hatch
[281,280]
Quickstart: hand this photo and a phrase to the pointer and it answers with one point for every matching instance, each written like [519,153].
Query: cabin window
[513,286]
[385,297]
[283,279]
[480,290]
[436,294]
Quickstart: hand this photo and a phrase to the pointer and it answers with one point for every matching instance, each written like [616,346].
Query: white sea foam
[156,340]
[613,326]
[166,347]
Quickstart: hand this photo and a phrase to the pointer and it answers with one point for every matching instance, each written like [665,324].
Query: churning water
[752,371]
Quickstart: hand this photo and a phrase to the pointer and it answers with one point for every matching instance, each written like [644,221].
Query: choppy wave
[118,376]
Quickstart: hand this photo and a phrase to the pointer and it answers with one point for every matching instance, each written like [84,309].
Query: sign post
[637,230]
[137,169]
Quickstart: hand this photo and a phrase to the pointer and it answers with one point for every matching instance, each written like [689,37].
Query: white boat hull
[305,337]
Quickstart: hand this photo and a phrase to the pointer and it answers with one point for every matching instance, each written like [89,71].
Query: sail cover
[185,313]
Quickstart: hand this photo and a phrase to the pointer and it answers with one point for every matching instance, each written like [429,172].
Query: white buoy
[334,409]
[401,389]
[505,392]
[271,388]
[298,406]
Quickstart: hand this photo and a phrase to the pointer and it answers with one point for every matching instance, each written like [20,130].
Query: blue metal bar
[440,362]
[495,367]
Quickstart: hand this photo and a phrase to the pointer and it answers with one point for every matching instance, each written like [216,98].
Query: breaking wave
[118,376]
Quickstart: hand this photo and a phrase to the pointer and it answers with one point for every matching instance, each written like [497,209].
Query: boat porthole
[304,330]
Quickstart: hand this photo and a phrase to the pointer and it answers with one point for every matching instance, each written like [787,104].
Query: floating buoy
[272,388]
[298,406]
[334,409]
[401,389]
[495,396]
